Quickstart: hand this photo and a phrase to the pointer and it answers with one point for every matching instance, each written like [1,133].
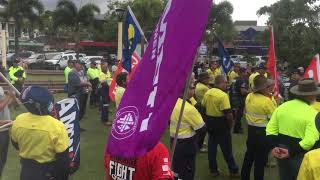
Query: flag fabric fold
[272,65]
[159,80]
[313,70]
[131,38]
[225,59]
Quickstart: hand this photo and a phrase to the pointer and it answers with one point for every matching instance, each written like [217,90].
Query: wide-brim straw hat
[306,87]
[260,82]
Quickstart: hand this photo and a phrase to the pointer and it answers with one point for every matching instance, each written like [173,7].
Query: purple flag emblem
[146,106]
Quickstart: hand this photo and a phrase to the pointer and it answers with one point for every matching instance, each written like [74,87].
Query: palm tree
[68,15]
[20,10]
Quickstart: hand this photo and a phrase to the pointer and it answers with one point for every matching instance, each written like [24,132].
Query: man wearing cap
[295,78]
[310,166]
[219,123]
[260,70]
[17,75]
[240,90]
[214,70]
[78,86]
[42,141]
[234,73]
[291,132]
[258,108]
[192,125]
[93,74]
[105,79]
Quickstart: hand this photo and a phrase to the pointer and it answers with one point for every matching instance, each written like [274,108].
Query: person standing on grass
[219,123]
[260,70]
[93,74]
[42,141]
[66,72]
[240,90]
[78,86]
[122,81]
[259,108]
[291,131]
[5,119]
[105,79]
[154,165]
[192,126]
[17,75]
[214,70]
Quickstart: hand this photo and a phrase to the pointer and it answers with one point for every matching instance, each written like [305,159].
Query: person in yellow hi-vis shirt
[316,106]
[310,166]
[291,131]
[42,141]
[214,70]
[234,73]
[122,81]
[105,79]
[66,72]
[192,126]
[93,74]
[260,70]
[258,108]
[17,75]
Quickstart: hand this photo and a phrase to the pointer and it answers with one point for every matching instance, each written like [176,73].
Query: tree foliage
[20,11]
[220,24]
[296,30]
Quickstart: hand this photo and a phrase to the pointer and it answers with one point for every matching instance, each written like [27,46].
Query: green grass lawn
[93,142]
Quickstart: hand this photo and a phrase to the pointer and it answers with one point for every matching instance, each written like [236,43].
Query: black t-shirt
[240,83]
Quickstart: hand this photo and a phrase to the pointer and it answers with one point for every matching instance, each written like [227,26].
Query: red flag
[313,69]
[135,59]
[272,66]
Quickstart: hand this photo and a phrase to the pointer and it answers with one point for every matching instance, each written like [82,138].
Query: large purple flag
[146,106]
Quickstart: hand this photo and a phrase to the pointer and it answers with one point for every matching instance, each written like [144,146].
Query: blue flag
[131,38]
[225,59]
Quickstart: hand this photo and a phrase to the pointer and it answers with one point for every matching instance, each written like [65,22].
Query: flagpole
[185,94]
[8,82]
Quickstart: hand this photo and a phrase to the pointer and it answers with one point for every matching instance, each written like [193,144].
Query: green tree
[296,30]
[68,15]
[220,24]
[21,10]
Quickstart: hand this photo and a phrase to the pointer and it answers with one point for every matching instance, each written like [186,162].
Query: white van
[60,61]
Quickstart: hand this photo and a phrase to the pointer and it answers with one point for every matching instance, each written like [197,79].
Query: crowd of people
[216,106]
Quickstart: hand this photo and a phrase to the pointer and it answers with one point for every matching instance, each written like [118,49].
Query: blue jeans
[224,141]
[289,168]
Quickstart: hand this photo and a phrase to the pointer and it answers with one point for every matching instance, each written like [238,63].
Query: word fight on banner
[159,80]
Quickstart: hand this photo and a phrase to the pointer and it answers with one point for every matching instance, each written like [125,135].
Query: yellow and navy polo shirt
[39,137]
[200,90]
[214,74]
[232,77]
[258,109]
[191,120]
[215,101]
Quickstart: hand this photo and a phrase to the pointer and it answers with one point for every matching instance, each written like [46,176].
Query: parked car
[236,58]
[60,61]
[11,56]
[36,61]
[261,59]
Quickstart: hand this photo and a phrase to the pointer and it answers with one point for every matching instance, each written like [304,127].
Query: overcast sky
[243,9]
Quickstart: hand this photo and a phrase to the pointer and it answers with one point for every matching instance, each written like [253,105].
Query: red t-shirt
[154,165]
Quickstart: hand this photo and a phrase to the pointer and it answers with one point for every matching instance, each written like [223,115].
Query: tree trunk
[77,41]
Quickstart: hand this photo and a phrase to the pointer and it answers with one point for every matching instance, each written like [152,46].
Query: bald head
[220,82]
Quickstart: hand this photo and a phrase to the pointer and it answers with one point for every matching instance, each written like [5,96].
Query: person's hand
[280,153]
[3,122]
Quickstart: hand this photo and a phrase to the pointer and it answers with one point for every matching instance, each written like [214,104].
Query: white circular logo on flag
[125,123]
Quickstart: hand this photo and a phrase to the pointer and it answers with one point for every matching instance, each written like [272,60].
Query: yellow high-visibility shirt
[67,70]
[310,166]
[258,109]
[200,90]
[316,106]
[105,77]
[118,95]
[13,70]
[215,101]
[232,76]
[214,74]
[295,119]
[93,73]
[39,137]
[191,120]
[254,75]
